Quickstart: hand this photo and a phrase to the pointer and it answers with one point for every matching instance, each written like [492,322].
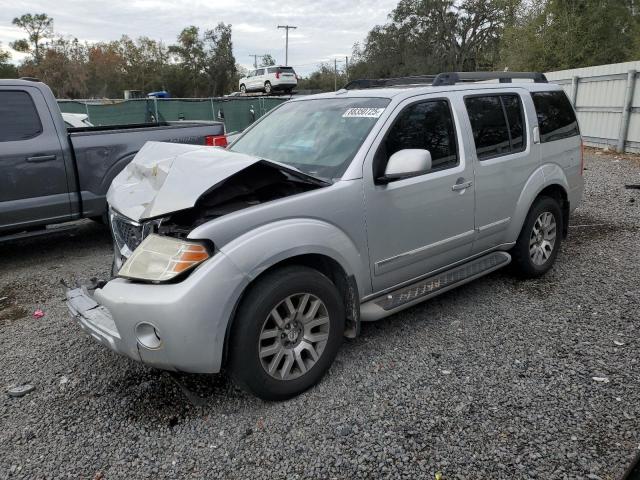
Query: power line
[286,42]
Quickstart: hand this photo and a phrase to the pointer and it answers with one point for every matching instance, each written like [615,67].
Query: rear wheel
[539,241]
[267,87]
[286,333]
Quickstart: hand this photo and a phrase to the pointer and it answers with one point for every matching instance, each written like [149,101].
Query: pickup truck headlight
[159,258]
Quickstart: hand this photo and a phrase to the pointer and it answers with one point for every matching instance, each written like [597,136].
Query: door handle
[461,186]
[41,158]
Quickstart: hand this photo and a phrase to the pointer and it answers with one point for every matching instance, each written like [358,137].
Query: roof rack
[451,78]
[363,83]
[30,79]
[446,78]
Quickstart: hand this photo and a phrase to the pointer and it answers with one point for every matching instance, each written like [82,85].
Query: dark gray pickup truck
[52,174]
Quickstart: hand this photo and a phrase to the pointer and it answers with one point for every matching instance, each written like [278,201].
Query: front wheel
[243,89]
[539,241]
[267,87]
[286,333]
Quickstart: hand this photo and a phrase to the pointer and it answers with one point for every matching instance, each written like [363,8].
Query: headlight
[159,258]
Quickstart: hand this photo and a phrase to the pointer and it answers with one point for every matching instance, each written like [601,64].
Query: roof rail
[389,82]
[451,78]
[30,79]
[446,78]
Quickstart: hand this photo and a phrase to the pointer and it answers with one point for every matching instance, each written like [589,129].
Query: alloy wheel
[293,336]
[543,238]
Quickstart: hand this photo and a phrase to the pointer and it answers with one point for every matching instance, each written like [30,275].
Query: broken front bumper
[177,326]
[97,321]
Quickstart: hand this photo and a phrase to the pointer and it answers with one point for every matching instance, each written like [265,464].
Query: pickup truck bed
[53,174]
[102,152]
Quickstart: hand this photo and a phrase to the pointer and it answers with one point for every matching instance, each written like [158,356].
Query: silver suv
[331,210]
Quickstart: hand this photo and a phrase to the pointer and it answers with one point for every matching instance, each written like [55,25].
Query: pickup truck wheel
[539,241]
[267,87]
[286,333]
[243,89]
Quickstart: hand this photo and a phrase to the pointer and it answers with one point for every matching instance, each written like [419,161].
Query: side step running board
[429,287]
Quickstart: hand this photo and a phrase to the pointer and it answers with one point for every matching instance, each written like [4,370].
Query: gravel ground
[492,380]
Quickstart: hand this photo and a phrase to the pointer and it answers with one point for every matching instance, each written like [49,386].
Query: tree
[563,34]
[7,70]
[267,60]
[196,65]
[39,26]
[323,79]
[220,64]
[430,36]
[189,52]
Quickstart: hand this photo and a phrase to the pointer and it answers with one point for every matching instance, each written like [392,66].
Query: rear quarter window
[19,119]
[556,119]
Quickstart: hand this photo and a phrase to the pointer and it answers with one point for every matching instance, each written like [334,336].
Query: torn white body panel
[167,177]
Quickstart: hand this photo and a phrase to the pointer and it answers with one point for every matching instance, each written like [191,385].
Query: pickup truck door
[420,224]
[33,183]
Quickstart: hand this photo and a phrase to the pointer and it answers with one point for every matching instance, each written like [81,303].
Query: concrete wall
[607,100]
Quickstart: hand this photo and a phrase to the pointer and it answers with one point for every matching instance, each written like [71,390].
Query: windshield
[319,137]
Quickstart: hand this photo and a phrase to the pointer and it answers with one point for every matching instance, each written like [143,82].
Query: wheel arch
[346,285]
[550,181]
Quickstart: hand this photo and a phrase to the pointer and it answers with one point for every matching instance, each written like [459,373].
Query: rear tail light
[277,74]
[215,141]
[581,157]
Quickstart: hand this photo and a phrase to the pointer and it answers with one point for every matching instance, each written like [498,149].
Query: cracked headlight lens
[159,258]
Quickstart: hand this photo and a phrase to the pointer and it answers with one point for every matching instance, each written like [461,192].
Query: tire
[267,87]
[536,249]
[262,351]
[243,88]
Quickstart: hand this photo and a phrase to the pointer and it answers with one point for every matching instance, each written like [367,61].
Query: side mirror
[406,163]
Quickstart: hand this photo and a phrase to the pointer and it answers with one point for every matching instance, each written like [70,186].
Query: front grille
[127,234]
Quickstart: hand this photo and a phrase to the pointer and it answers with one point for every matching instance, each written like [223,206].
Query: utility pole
[335,74]
[255,58]
[346,69]
[286,42]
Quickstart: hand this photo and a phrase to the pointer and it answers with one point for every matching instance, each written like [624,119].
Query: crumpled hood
[167,177]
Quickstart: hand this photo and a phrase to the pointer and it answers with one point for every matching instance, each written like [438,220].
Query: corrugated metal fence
[607,101]
[236,112]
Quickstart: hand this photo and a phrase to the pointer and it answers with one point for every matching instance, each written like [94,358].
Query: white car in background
[76,120]
[269,79]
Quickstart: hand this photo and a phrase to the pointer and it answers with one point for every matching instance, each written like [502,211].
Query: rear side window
[19,118]
[555,116]
[272,69]
[497,123]
[427,125]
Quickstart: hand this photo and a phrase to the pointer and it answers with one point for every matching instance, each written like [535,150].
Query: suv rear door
[501,128]
[419,224]
[33,183]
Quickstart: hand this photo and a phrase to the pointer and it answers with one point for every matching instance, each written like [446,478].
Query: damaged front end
[174,196]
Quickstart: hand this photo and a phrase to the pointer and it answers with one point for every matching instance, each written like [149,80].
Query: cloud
[324,26]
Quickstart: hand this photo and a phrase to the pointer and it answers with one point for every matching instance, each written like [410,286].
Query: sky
[327,29]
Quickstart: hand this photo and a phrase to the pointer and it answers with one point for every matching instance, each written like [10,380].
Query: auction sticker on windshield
[363,112]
